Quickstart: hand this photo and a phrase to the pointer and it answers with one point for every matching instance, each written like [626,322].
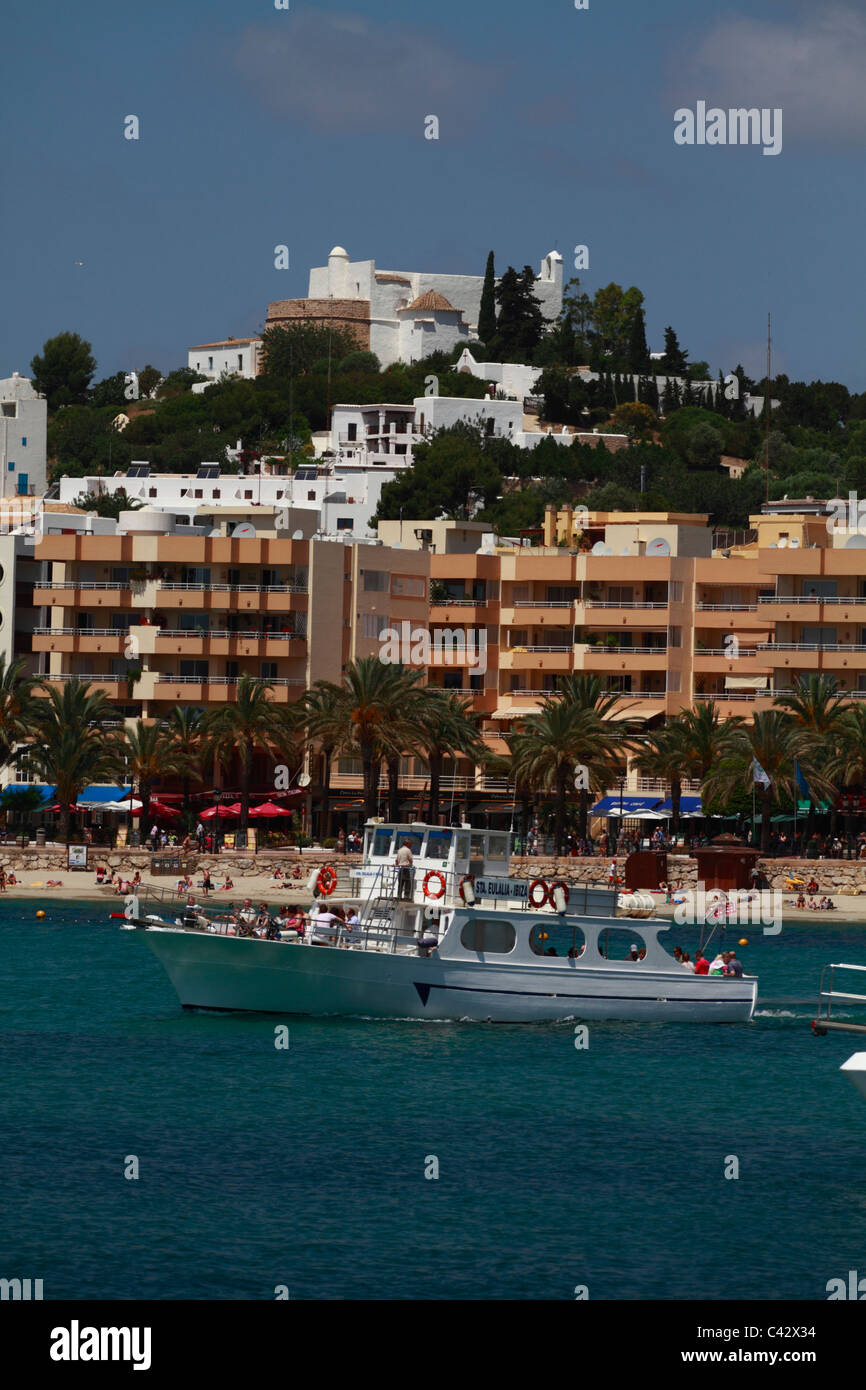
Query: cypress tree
[487,310]
[637,351]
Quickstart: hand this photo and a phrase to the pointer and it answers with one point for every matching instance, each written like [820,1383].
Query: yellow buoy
[40,913]
[742,941]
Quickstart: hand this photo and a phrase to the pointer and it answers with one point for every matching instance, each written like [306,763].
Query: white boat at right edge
[449,952]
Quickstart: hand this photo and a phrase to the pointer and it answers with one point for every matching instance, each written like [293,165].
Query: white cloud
[812,66]
[342,73]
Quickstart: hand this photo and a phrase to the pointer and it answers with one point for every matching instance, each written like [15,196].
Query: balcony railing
[724,607]
[558,648]
[79,631]
[812,598]
[541,603]
[80,584]
[248,635]
[458,603]
[164,678]
[724,651]
[620,603]
[602,649]
[232,588]
[104,676]
[811,647]
[738,695]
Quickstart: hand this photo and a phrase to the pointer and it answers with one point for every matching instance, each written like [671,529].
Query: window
[215,493]
[353,767]
[675,636]
[120,621]
[232,670]
[210,364]
[120,574]
[674,680]
[352,433]
[438,843]
[194,622]
[676,591]
[344,523]
[487,937]
[196,669]
[407,586]
[24,441]
[269,671]
[620,593]
[373,625]
[376,581]
[240,362]
[10,409]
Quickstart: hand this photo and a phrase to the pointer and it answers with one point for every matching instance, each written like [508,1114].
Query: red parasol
[268,808]
[224,812]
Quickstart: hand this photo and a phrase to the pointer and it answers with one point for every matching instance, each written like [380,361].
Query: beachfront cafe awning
[48,793]
[98,794]
[635,807]
[689,806]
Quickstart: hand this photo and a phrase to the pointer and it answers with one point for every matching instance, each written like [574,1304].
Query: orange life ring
[431,874]
[327,880]
[545,893]
[559,884]
[467,878]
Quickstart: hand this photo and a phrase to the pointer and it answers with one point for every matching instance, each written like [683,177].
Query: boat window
[615,943]
[557,938]
[414,838]
[489,937]
[478,848]
[497,848]
[438,844]
[382,841]
[462,846]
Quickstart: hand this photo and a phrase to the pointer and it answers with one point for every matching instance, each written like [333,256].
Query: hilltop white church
[402,315]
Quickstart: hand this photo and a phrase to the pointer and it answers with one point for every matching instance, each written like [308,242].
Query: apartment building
[158,614]
[229,357]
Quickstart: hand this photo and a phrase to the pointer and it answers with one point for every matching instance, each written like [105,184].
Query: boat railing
[828,995]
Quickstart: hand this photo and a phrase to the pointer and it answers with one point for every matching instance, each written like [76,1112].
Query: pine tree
[675,360]
[637,352]
[487,310]
[520,324]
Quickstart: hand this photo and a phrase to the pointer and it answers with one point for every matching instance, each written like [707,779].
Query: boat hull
[217,972]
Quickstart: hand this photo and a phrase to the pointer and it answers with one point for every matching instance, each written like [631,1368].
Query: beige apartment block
[156,620]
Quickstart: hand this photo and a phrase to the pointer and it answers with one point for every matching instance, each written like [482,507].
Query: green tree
[70,746]
[64,370]
[325,731]
[553,744]
[241,729]
[107,503]
[292,349]
[149,757]
[520,324]
[444,727]
[487,309]
[675,361]
[148,379]
[185,738]
[451,475]
[637,352]
[110,392]
[17,706]
[360,361]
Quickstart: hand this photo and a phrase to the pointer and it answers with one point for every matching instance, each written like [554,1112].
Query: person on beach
[3,880]
[206,884]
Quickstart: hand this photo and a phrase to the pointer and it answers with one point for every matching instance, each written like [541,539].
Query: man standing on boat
[405,876]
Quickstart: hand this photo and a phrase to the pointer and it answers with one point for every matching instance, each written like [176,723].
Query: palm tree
[662,755]
[777,745]
[149,756]
[241,729]
[366,702]
[70,748]
[588,693]
[553,743]
[17,704]
[707,738]
[818,706]
[444,728]
[322,713]
[185,731]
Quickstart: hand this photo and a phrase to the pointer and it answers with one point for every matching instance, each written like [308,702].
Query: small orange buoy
[742,941]
[40,913]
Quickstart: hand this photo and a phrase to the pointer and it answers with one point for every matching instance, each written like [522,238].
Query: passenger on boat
[247,913]
[717,966]
[733,966]
[678,954]
[353,919]
[632,952]
[405,875]
[551,951]
[687,961]
[702,965]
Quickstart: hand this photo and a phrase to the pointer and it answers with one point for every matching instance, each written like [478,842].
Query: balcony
[217,689]
[79,639]
[72,593]
[256,598]
[222,642]
[549,658]
[601,657]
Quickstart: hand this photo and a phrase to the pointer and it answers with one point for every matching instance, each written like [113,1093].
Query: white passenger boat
[467,942]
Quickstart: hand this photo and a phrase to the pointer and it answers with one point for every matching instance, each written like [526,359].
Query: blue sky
[261,126]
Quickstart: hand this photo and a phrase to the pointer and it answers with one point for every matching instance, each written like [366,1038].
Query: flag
[758,774]
[802,784]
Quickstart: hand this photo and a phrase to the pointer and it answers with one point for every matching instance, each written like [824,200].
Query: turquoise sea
[305,1167]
